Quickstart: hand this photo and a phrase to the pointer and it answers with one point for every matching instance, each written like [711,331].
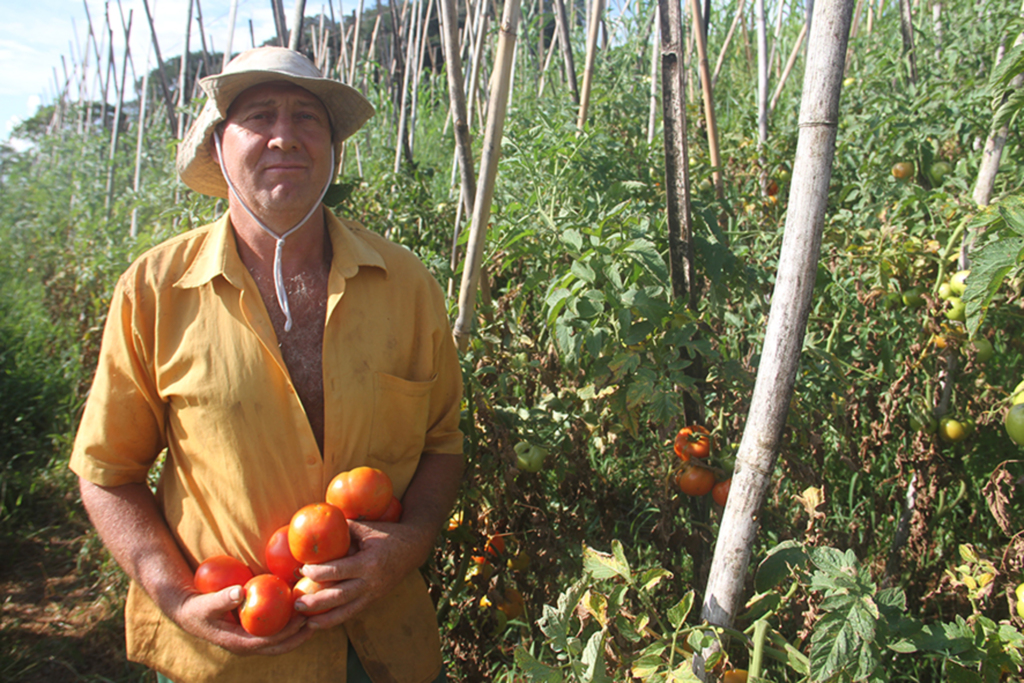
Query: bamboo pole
[565,45]
[168,101]
[677,174]
[789,67]
[471,271]
[355,44]
[279,22]
[232,17]
[298,15]
[457,96]
[139,138]
[183,73]
[728,39]
[552,48]
[402,141]
[709,100]
[116,127]
[588,71]
[652,116]
[762,83]
[420,58]
[790,309]
[907,32]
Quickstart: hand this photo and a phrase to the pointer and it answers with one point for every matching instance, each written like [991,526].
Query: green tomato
[912,297]
[938,171]
[957,310]
[1014,424]
[952,430]
[958,283]
[529,458]
[945,290]
[1017,395]
[983,349]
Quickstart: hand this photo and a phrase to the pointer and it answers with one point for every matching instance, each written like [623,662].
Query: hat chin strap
[282,294]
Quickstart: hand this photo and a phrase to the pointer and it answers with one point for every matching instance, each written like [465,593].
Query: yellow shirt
[190,362]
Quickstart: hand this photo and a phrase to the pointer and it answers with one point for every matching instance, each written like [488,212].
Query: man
[267,352]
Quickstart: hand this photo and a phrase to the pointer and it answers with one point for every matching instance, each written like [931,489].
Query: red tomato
[280,560]
[393,513]
[495,546]
[693,442]
[363,493]
[694,480]
[307,586]
[318,533]
[219,572]
[720,492]
[268,605]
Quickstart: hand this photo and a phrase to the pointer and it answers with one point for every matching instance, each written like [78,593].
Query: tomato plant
[362,493]
[693,442]
[307,586]
[318,533]
[268,605]
[280,560]
[694,480]
[219,572]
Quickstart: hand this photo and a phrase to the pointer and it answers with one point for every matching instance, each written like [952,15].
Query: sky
[39,36]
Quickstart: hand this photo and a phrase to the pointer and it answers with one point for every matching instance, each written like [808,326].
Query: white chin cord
[282,294]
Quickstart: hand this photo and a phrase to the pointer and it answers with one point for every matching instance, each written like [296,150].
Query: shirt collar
[218,254]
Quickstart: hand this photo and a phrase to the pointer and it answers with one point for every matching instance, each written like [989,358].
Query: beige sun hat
[347,108]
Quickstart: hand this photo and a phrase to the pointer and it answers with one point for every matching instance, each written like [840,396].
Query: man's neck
[303,252]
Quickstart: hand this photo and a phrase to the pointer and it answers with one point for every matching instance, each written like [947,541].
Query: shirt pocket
[401,410]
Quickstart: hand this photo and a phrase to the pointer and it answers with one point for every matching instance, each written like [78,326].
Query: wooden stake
[565,45]
[141,135]
[116,127]
[588,71]
[168,101]
[728,39]
[183,74]
[709,100]
[298,15]
[471,271]
[789,67]
[232,16]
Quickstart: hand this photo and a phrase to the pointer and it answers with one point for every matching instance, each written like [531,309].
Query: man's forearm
[428,501]
[134,531]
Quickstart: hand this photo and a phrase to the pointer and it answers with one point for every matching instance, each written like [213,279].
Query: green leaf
[646,666]
[573,239]
[652,577]
[677,613]
[604,565]
[960,674]
[534,669]
[593,659]
[903,646]
[989,268]
[583,271]
[781,562]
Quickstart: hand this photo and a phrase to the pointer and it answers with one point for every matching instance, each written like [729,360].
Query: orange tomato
[220,571]
[280,560]
[693,442]
[318,533]
[363,493]
[694,480]
[720,491]
[735,676]
[307,586]
[393,513]
[268,605]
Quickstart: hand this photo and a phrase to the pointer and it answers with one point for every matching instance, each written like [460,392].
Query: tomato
[512,605]
[694,480]
[318,533]
[945,291]
[735,676]
[912,297]
[938,171]
[720,491]
[219,572]
[983,349]
[495,546]
[957,309]
[693,442]
[268,605]
[958,282]
[529,457]
[1014,423]
[394,511]
[952,430]
[363,493]
[307,586]
[902,170]
[280,560]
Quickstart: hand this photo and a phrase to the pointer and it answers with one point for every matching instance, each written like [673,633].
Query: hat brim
[346,108]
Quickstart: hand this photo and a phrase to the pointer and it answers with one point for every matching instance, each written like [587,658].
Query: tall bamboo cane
[231,34]
[790,309]
[183,73]
[298,14]
[489,170]
[709,100]
[789,67]
[457,95]
[279,22]
[565,45]
[111,160]
[728,39]
[652,115]
[402,141]
[588,70]
[137,181]
[168,101]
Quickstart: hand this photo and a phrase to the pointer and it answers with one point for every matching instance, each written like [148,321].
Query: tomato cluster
[694,445]
[317,533]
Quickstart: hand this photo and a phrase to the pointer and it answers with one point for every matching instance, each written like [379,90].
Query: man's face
[277,150]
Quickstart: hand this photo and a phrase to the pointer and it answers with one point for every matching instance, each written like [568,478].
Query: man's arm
[387,552]
[134,531]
